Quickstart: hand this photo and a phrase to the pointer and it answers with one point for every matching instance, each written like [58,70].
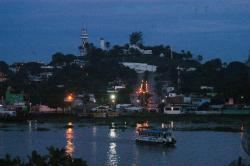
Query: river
[100,145]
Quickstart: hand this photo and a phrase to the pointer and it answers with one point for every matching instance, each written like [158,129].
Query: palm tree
[108,45]
[37,159]
[135,38]
[200,58]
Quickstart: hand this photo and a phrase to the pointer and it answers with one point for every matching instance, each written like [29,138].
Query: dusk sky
[35,29]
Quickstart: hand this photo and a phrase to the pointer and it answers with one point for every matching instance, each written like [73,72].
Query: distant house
[14,99]
[115,86]
[3,77]
[79,62]
[46,75]
[15,68]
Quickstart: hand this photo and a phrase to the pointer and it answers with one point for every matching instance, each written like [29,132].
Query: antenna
[84,42]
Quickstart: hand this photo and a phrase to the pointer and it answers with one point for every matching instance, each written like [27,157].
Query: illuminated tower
[84,38]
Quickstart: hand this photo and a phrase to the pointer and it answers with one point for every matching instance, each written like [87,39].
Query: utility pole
[179,79]
[171,53]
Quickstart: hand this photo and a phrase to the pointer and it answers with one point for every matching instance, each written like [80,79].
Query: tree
[37,159]
[214,64]
[4,67]
[108,45]
[200,58]
[135,38]
[56,157]
[57,58]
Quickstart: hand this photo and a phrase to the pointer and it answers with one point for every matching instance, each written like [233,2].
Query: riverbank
[152,117]
[222,122]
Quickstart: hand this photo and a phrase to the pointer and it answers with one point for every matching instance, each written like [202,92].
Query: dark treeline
[100,67]
[55,157]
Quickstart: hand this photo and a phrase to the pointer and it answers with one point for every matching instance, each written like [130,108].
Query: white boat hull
[156,141]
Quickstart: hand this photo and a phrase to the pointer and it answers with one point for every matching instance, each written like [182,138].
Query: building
[79,62]
[140,67]
[3,77]
[45,75]
[15,68]
[178,100]
[14,99]
[103,44]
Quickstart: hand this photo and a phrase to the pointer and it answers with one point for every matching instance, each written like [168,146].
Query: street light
[69,98]
[113,98]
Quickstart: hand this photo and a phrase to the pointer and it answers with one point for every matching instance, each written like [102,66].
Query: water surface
[100,145]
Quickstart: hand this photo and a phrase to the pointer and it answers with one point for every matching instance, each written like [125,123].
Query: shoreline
[225,123]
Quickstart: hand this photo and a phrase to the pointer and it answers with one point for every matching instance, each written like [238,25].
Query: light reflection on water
[112,155]
[112,133]
[69,148]
[94,130]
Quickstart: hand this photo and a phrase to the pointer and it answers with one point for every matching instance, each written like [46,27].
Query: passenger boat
[162,136]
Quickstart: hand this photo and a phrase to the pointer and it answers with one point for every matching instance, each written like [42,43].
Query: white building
[140,67]
[103,44]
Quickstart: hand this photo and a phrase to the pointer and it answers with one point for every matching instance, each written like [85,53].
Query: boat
[162,136]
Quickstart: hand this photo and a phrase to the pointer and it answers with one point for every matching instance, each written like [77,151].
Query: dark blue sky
[35,29]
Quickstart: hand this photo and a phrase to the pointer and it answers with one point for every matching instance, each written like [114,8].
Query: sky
[33,30]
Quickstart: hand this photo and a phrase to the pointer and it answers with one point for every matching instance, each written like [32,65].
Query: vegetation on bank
[55,157]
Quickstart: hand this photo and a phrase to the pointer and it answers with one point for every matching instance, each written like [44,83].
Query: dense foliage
[56,157]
